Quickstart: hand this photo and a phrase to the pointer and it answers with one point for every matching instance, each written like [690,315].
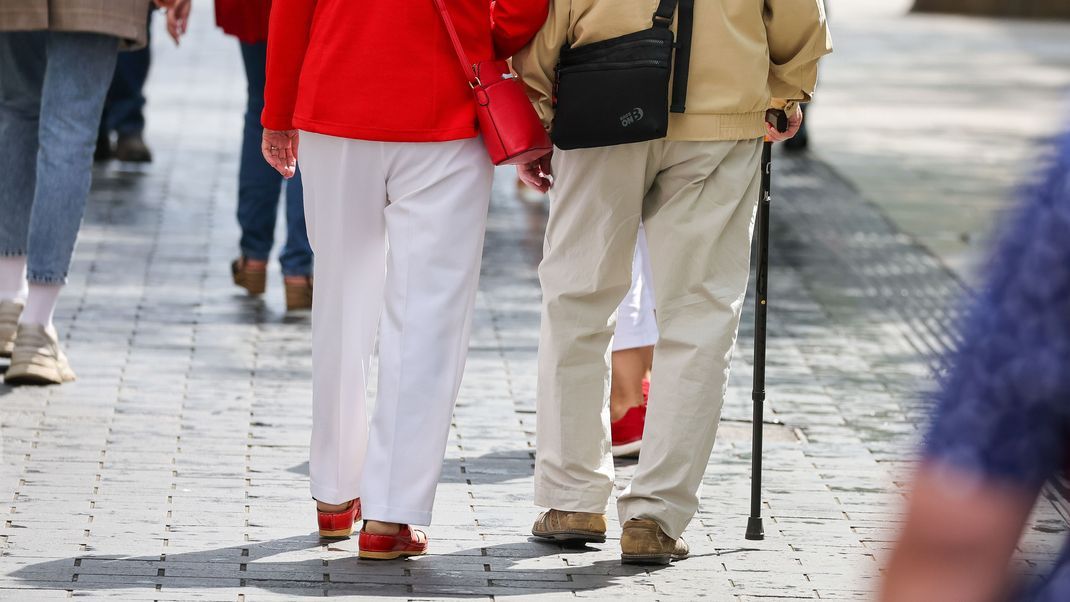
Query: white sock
[41,304]
[13,278]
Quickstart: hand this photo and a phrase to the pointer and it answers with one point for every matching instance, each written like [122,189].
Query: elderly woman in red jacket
[389,152]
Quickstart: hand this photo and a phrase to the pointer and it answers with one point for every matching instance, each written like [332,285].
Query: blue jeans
[259,185]
[52,88]
[125,104]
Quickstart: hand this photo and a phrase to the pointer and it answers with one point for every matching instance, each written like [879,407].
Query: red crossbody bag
[512,131]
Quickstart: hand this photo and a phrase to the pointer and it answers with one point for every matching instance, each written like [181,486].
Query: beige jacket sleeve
[536,62]
[798,36]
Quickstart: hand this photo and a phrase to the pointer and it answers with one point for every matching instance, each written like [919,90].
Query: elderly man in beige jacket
[696,193]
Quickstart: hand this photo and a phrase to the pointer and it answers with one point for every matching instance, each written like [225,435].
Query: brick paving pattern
[937,117]
[176,467]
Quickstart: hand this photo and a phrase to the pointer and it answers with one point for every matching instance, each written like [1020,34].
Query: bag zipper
[585,53]
[613,66]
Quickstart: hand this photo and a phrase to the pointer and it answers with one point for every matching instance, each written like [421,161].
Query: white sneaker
[37,358]
[9,323]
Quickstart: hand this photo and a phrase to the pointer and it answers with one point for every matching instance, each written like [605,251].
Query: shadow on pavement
[473,572]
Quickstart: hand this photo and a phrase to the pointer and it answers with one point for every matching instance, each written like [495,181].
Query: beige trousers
[697,201]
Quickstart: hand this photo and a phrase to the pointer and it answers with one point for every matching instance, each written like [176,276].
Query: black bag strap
[682,65]
[663,15]
[682,62]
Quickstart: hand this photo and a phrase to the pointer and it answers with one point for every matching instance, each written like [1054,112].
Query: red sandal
[339,525]
[406,542]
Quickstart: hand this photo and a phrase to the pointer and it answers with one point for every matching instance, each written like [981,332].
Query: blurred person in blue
[259,185]
[1002,417]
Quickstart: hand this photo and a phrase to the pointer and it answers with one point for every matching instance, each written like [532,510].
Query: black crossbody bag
[617,91]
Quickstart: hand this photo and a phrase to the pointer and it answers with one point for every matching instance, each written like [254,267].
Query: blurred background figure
[1002,421]
[259,185]
[56,62]
[124,107]
[633,355]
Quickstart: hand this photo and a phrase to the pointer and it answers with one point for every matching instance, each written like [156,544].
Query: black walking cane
[754,524]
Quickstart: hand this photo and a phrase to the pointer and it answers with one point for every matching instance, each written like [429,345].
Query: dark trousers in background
[124,107]
[259,185]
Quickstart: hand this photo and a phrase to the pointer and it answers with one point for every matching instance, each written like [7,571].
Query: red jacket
[384,69]
[246,20]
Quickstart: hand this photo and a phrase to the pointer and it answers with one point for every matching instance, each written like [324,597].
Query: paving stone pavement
[937,118]
[176,467]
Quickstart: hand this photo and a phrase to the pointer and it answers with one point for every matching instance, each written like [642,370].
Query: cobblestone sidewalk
[938,117]
[175,468]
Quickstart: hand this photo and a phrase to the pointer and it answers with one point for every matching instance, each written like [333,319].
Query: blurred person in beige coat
[56,62]
[695,192]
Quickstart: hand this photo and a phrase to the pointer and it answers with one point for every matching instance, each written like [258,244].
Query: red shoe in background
[339,525]
[628,431]
[407,542]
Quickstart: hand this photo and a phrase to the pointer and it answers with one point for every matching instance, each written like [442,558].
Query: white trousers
[396,227]
[636,322]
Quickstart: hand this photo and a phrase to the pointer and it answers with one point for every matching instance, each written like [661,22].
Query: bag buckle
[662,21]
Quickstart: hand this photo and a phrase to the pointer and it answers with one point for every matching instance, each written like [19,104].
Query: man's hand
[538,174]
[794,123]
[280,150]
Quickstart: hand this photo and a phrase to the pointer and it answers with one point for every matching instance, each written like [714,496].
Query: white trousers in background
[397,230]
[637,325]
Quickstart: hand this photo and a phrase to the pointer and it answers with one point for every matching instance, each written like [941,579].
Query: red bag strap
[469,72]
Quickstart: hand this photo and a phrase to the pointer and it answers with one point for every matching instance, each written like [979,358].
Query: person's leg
[595,210]
[345,198]
[76,78]
[259,185]
[634,338]
[296,255]
[13,286]
[699,217]
[439,196]
[78,69]
[124,112]
[630,368]
[22,73]
[124,109]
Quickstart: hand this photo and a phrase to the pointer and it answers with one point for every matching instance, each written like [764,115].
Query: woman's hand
[280,151]
[178,19]
[177,16]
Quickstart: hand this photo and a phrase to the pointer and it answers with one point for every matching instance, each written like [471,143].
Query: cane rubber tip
[755,531]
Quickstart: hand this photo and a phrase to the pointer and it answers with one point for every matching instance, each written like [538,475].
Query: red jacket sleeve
[288,35]
[515,23]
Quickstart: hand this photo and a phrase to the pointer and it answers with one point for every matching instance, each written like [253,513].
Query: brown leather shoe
[254,281]
[643,542]
[570,527]
[298,294]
